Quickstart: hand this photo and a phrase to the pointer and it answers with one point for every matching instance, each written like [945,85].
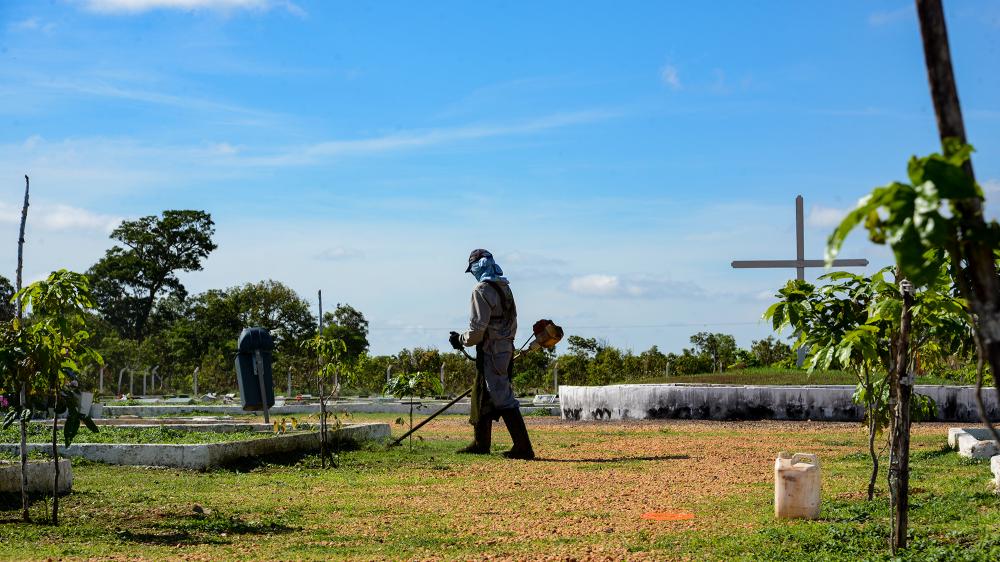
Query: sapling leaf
[9,419]
[71,427]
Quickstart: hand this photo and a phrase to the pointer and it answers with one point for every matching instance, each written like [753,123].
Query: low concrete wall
[207,455]
[720,402]
[39,476]
[462,408]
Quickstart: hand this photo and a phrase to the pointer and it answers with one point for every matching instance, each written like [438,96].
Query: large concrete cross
[800,263]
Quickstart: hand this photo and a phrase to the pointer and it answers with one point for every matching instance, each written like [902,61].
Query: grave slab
[207,455]
[39,476]
[995,468]
[972,442]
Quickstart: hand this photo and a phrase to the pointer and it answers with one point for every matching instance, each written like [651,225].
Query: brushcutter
[545,335]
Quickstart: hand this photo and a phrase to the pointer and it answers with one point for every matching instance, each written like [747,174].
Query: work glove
[455,340]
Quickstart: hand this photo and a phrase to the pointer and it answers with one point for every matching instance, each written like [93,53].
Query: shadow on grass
[617,459]
[11,501]
[202,529]
[153,538]
[300,458]
[942,451]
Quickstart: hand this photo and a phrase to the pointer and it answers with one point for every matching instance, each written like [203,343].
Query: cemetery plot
[197,447]
[585,499]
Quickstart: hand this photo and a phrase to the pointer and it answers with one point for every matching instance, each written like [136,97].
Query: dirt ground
[599,478]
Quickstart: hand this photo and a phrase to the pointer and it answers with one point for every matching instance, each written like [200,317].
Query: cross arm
[753,264]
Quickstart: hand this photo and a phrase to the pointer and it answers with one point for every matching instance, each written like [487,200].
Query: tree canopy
[130,277]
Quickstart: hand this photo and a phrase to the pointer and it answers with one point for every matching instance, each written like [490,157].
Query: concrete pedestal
[39,476]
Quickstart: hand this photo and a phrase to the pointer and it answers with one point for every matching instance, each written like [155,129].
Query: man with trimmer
[492,326]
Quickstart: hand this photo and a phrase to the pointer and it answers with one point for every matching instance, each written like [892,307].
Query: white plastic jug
[796,486]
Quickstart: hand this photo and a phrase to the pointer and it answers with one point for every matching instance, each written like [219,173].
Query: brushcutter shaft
[429,418]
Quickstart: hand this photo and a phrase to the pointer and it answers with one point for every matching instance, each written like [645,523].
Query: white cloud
[32,24]
[595,285]
[225,148]
[635,286]
[405,140]
[338,253]
[887,17]
[825,217]
[58,217]
[670,77]
[141,6]
[103,89]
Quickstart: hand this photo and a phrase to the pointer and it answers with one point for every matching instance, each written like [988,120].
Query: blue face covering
[487,270]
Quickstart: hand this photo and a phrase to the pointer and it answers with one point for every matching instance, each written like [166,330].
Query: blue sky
[614,156]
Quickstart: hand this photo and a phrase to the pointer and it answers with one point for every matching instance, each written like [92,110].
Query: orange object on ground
[668,516]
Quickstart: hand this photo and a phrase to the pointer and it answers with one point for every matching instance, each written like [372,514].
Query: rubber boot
[518,434]
[482,438]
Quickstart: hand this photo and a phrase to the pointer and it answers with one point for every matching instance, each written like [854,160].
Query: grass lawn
[772,376]
[582,500]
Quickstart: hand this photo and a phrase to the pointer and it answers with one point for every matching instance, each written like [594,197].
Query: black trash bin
[254,342]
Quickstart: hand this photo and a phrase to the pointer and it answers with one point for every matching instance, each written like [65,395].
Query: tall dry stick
[322,400]
[24,384]
[55,451]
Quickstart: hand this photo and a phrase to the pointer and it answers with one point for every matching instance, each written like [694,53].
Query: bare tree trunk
[23,426]
[978,279]
[901,390]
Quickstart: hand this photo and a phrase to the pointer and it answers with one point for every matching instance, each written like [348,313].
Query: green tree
[587,347]
[934,222]
[58,344]
[853,323]
[652,362]
[330,354]
[205,330]
[348,324]
[770,351]
[130,277]
[719,348]
[606,366]
[459,372]
[413,384]
[533,370]
[6,300]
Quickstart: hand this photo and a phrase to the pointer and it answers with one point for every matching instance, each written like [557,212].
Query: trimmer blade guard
[547,334]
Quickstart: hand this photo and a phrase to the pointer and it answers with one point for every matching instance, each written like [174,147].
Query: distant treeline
[145,318]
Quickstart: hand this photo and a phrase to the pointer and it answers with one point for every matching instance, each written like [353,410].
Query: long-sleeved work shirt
[492,330]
